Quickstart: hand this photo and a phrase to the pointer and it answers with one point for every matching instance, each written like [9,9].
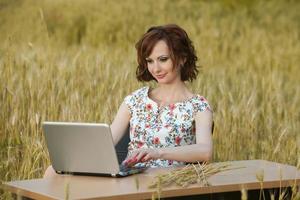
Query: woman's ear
[182,62]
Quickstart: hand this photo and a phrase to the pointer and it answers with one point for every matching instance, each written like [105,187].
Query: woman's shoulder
[140,92]
[137,95]
[200,103]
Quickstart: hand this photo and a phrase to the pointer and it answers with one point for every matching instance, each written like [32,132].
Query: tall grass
[75,61]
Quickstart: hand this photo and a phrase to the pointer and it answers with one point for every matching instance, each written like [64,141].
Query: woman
[169,125]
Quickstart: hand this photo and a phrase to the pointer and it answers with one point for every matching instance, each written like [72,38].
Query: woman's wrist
[160,152]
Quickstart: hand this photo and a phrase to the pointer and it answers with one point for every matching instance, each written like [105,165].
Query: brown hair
[180,46]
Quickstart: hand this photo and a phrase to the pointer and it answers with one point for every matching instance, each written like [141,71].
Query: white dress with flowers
[169,126]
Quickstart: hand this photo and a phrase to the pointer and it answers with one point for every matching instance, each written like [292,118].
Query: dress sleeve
[130,102]
[135,99]
[202,105]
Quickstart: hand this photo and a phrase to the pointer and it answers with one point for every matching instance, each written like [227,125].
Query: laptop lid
[81,148]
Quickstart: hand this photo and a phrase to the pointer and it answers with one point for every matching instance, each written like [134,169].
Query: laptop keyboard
[126,168]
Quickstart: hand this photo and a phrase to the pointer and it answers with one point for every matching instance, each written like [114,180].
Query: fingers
[146,158]
[137,156]
[147,155]
[141,155]
[131,159]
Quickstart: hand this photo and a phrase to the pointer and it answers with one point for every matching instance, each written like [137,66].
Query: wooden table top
[87,187]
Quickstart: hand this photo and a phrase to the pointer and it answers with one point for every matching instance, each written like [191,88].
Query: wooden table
[86,187]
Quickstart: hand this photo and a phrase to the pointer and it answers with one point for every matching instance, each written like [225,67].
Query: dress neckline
[167,105]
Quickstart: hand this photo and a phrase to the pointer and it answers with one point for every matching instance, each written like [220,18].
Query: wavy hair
[180,46]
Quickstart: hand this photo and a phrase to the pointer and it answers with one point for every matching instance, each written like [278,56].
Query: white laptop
[83,149]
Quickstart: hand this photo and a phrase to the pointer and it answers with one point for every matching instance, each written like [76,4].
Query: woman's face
[160,64]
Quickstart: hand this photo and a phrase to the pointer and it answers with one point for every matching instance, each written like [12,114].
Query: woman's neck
[165,94]
[171,89]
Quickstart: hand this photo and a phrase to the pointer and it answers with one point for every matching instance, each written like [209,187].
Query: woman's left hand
[142,155]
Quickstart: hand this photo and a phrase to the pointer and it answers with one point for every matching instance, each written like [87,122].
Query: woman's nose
[157,67]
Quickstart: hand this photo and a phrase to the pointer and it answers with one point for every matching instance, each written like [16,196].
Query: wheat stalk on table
[190,174]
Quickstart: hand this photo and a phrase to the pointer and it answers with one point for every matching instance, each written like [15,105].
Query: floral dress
[169,126]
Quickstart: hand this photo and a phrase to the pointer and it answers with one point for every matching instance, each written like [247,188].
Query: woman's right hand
[141,155]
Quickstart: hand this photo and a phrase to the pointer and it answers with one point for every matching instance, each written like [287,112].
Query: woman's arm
[120,123]
[201,151]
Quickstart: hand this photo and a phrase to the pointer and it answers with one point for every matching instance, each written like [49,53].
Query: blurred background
[75,60]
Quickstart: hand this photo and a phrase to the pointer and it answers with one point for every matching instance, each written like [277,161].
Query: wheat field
[72,60]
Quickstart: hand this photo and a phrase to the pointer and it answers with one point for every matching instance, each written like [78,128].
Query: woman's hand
[142,155]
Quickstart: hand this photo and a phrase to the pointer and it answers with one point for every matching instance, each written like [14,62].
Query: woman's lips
[161,76]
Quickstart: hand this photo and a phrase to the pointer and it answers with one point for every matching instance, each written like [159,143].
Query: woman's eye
[163,59]
[149,61]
